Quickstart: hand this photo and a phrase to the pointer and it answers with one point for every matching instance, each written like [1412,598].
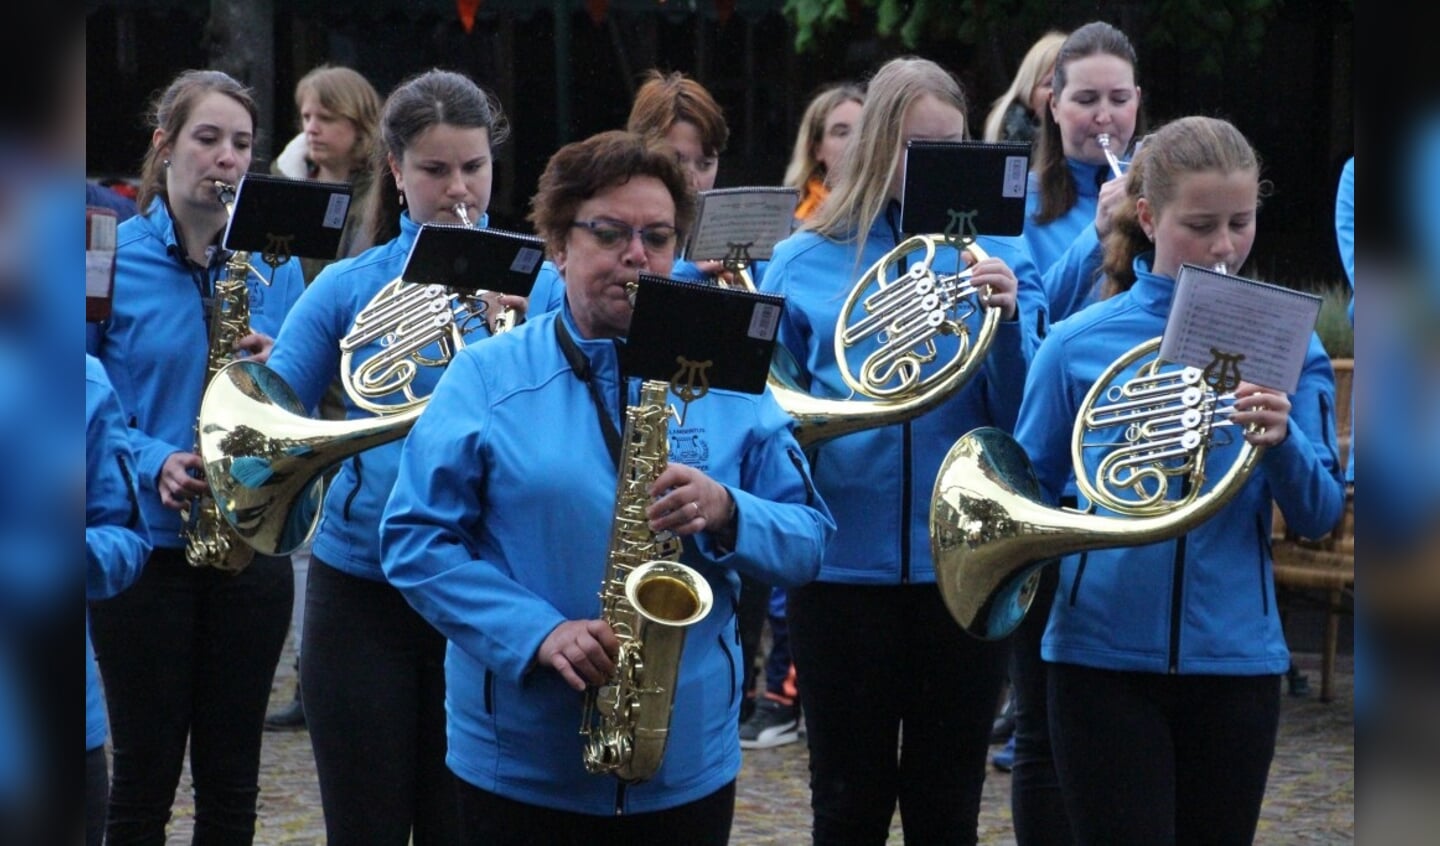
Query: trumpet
[506,317]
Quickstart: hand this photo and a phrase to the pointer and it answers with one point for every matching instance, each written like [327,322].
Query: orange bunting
[466,10]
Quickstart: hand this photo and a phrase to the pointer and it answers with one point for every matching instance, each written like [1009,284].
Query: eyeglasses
[614,235]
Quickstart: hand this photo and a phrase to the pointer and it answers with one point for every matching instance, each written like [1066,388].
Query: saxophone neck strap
[581,366]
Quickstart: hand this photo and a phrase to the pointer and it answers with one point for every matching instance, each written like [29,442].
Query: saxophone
[649,599]
[210,541]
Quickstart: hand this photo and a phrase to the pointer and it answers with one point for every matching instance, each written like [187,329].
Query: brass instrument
[901,315]
[408,319]
[209,539]
[649,599]
[266,460]
[1103,139]
[989,533]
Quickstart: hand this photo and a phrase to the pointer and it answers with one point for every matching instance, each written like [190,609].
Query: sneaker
[1004,725]
[289,718]
[1004,759]
[772,724]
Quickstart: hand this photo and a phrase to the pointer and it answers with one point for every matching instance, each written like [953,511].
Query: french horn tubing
[266,460]
[897,316]
[1155,431]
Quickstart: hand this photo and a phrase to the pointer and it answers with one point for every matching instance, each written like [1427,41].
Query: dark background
[564,69]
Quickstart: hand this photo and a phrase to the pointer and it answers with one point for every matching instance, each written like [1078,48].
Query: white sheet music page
[750,221]
[1239,330]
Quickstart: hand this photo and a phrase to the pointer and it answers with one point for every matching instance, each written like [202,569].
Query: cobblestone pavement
[1310,798]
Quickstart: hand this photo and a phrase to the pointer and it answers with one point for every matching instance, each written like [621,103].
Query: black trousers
[887,669]
[187,655]
[373,680]
[1035,801]
[492,820]
[1147,758]
[97,794]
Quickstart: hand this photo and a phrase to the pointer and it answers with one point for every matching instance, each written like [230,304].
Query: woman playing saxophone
[1165,658]
[187,653]
[499,528]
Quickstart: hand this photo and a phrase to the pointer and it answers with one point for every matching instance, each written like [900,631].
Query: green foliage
[1203,32]
[1333,325]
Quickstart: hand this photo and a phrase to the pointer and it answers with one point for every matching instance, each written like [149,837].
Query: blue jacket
[498,531]
[879,482]
[1203,603]
[116,539]
[307,356]
[1067,249]
[155,345]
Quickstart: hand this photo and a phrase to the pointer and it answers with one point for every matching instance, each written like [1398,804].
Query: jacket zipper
[796,459]
[355,491]
[905,505]
[1177,593]
[1263,542]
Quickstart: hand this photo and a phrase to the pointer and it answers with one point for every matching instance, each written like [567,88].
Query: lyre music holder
[696,336]
[278,217]
[964,188]
[472,260]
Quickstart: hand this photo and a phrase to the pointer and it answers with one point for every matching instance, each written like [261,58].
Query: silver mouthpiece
[461,213]
[1103,139]
[1221,267]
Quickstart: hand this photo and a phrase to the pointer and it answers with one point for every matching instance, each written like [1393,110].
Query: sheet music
[755,218]
[1251,331]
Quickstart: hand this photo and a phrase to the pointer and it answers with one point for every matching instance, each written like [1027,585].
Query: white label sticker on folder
[763,321]
[526,260]
[335,211]
[1014,177]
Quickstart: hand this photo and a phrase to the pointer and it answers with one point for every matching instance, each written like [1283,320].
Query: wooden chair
[1306,566]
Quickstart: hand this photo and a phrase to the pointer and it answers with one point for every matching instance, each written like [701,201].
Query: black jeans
[1148,758]
[188,654]
[885,668]
[493,820]
[373,680]
[1035,801]
[97,794]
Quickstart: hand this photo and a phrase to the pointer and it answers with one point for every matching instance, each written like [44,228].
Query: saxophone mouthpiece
[224,192]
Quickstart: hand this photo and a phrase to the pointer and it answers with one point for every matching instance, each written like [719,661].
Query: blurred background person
[117,542]
[824,133]
[1015,114]
[339,117]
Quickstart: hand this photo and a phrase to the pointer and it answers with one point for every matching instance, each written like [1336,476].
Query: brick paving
[1310,798]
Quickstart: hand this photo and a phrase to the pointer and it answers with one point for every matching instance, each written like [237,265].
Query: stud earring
[165,162]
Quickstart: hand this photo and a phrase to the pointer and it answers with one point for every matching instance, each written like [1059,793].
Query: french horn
[885,343]
[266,460]
[1148,427]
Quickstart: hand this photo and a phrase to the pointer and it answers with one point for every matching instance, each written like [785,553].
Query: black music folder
[280,217]
[474,260]
[966,187]
[677,322]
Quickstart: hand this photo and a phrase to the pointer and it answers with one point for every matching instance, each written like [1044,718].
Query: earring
[402,198]
[165,162]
